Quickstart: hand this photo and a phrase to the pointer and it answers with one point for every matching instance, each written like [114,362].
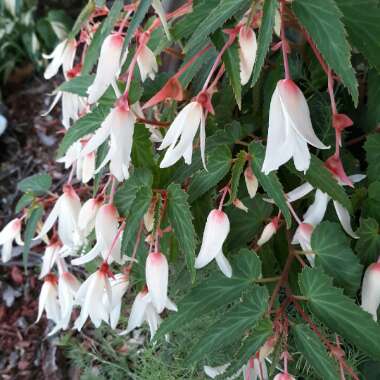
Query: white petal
[157,273]
[224,265]
[299,192]
[251,182]
[371,290]
[136,317]
[316,211]
[268,231]
[153,320]
[345,219]
[202,139]
[170,305]
[147,63]
[215,233]
[247,53]
[356,177]
[89,256]
[88,167]
[50,220]
[6,252]
[9,232]
[213,372]
[57,60]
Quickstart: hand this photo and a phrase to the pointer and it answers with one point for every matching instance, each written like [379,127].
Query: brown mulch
[27,147]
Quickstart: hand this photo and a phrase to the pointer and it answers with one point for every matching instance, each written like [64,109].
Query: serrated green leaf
[102,32]
[262,331]
[218,165]
[137,211]
[373,106]
[340,313]
[237,170]
[372,203]
[311,347]
[247,265]
[231,62]
[334,255]
[142,148]
[323,21]
[246,225]
[24,201]
[30,229]
[77,85]
[125,196]
[361,17]
[37,184]
[82,18]
[368,245]
[233,324]
[180,219]
[318,176]
[88,123]
[265,37]
[270,182]
[372,148]
[215,19]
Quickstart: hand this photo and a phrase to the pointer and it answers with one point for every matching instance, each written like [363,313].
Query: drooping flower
[109,66]
[66,210]
[119,285]
[215,233]
[68,287]
[144,310]
[302,236]
[90,297]
[371,290]
[290,129]
[87,215]
[157,274]
[119,125]
[63,55]
[48,300]
[147,63]
[269,230]
[11,232]
[50,257]
[108,243]
[247,52]
[251,182]
[179,138]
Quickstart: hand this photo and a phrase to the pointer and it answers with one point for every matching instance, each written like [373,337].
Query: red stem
[284,42]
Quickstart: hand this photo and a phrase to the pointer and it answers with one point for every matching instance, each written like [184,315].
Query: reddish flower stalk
[119,231]
[284,42]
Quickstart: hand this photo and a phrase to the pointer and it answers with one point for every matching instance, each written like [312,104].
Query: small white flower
[90,297]
[87,215]
[144,310]
[371,290]
[157,274]
[302,236]
[63,55]
[9,233]
[109,66]
[119,125]
[290,129]
[215,233]
[251,182]
[179,138]
[247,53]
[68,286]
[147,63]
[50,257]
[48,300]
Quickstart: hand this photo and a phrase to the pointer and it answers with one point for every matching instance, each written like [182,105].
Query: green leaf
[180,219]
[372,148]
[319,177]
[323,21]
[214,20]
[30,229]
[137,19]
[237,170]
[88,123]
[335,256]
[233,324]
[77,85]
[270,182]
[125,196]
[373,106]
[37,184]
[246,225]
[340,313]
[103,31]
[142,148]
[139,207]
[361,18]
[24,201]
[265,37]
[308,343]
[231,62]
[82,18]
[372,203]
[218,165]
[247,265]
[260,334]
[368,245]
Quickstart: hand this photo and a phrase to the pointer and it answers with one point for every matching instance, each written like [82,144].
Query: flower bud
[251,182]
[371,289]
[269,230]
[240,205]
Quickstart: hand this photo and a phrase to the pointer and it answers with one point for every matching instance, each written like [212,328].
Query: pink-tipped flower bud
[251,182]
[269,230]
[247,53]
[371,289]
[240,205]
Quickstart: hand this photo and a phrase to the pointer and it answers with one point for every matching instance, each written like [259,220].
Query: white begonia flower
[215,233]
[147,63]
[11,232]
[290,129]
[50,257]
[63,55]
